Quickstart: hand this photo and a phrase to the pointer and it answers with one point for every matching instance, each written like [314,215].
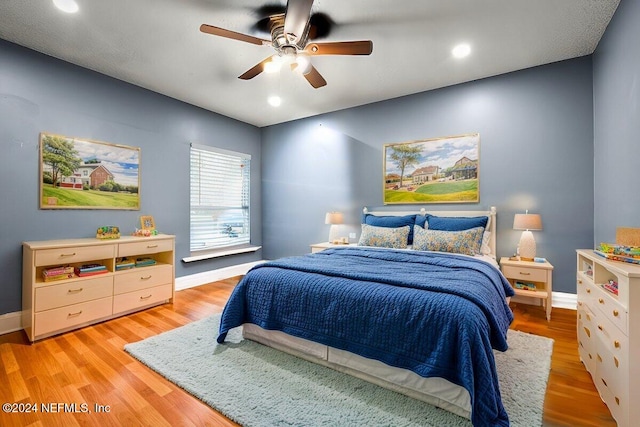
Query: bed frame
[435,391]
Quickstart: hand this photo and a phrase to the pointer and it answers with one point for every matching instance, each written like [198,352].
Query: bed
[418,307]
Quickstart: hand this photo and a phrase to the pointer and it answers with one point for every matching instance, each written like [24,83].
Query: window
[219,198]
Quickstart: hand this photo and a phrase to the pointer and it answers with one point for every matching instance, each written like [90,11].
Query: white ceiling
[156,44]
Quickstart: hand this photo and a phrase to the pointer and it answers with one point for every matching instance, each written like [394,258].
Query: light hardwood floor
[89,367]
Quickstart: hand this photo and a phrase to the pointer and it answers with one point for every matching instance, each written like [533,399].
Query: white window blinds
[219,198]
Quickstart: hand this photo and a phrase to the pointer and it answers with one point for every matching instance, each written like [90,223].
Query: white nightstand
[538,274]
[317,247]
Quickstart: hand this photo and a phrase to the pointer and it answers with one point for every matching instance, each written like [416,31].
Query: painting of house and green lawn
[439,170]
[85,174]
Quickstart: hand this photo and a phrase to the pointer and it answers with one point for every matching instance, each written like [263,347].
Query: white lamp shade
[334,218]
[527,222]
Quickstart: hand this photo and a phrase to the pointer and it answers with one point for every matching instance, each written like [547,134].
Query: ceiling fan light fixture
[68,6]
[462,50]
[273,66]
[304,64]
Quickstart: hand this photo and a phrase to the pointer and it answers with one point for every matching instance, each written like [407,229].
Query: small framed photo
[147,223]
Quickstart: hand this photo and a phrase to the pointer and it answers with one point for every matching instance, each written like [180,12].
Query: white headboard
[491,224]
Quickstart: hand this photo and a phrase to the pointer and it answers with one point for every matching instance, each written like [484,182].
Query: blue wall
[616,82]
[536,153]
[39,93]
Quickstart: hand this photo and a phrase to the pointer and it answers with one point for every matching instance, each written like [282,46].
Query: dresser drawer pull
[145,277]
[74,314]
[587,331]
[599,357]
[580,281]
[600,327]
[616,344]
[67,255]
[615,313]
[600,300]
[604,382]
[590,356]
[74,291]
[615,360]
[588,317]
[618,401]
[580,303]
[151,246]
[588,291]
[147,297]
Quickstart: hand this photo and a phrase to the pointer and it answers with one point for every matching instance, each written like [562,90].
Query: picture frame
[147,223]
[436,170]
[77,173]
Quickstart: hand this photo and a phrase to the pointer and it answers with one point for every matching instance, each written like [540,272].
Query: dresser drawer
[586,339]
[73,315]
[71,255]
[141,278]
[525,274]
[612,310]
[141,298]
[146,247]
[54,296]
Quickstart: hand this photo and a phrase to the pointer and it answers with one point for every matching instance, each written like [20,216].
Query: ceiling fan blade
[296,21]
[255,70]
[364,47]
[216,31]
[315,78]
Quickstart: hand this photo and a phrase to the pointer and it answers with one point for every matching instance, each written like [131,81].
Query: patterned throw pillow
[460,242]
[384,237]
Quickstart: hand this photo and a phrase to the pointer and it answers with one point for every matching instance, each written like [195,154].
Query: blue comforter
[436,314]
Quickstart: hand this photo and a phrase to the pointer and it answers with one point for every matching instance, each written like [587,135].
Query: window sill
[221,253]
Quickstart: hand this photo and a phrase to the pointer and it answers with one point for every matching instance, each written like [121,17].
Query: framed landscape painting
[84,174]
[438,170]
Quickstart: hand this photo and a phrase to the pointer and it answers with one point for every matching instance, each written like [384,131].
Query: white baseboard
[193,280]
[10,322]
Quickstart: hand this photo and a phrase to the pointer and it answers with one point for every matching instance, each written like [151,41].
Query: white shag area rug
[255,385]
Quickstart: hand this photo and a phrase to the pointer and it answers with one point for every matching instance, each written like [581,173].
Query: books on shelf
[524,286]
[611,286]
[57,273]
[630,254]
[144,262]
[124,263]
[90,270]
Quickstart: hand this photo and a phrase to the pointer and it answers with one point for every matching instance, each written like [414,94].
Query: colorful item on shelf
[57,273]
[144,262]
[124,263]
[611,286]
[524,286]
[108,232]
[142,232]
[90,270]
[630,254]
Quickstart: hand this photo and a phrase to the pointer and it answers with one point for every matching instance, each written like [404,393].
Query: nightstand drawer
[526,274]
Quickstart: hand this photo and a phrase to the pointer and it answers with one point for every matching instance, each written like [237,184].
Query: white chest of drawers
[608,328]
[49,308]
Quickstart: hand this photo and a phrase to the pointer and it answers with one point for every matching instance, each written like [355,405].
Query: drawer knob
[615,313]
[580,281]
[616,344]
[144,298]
[151,246]
[67,255]
[617,401]
[615,360]
[524,273]
[580,303]
[599,357]
[604,382]
[587,331]
[74,314]
[588,291]
[145,277]
[600,327]
[74,291]
[600,300]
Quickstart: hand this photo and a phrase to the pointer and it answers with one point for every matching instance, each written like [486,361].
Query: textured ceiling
[156,44]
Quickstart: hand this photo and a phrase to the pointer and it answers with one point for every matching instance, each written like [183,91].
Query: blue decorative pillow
[467,242]
[391,222]
[451,223]
[384,237]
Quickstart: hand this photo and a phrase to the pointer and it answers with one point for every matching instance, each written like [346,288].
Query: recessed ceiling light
[274,101]
[68,6]
[461,50]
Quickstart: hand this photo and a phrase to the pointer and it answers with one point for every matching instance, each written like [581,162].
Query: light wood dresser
[52,307]
[608,327]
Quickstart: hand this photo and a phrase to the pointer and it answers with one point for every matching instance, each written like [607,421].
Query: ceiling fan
[290,37]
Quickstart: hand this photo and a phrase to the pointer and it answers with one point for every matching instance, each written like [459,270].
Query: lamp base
[527,246]
[334,233]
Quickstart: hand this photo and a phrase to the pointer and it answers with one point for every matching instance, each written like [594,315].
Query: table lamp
[335,219]
[527,245]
